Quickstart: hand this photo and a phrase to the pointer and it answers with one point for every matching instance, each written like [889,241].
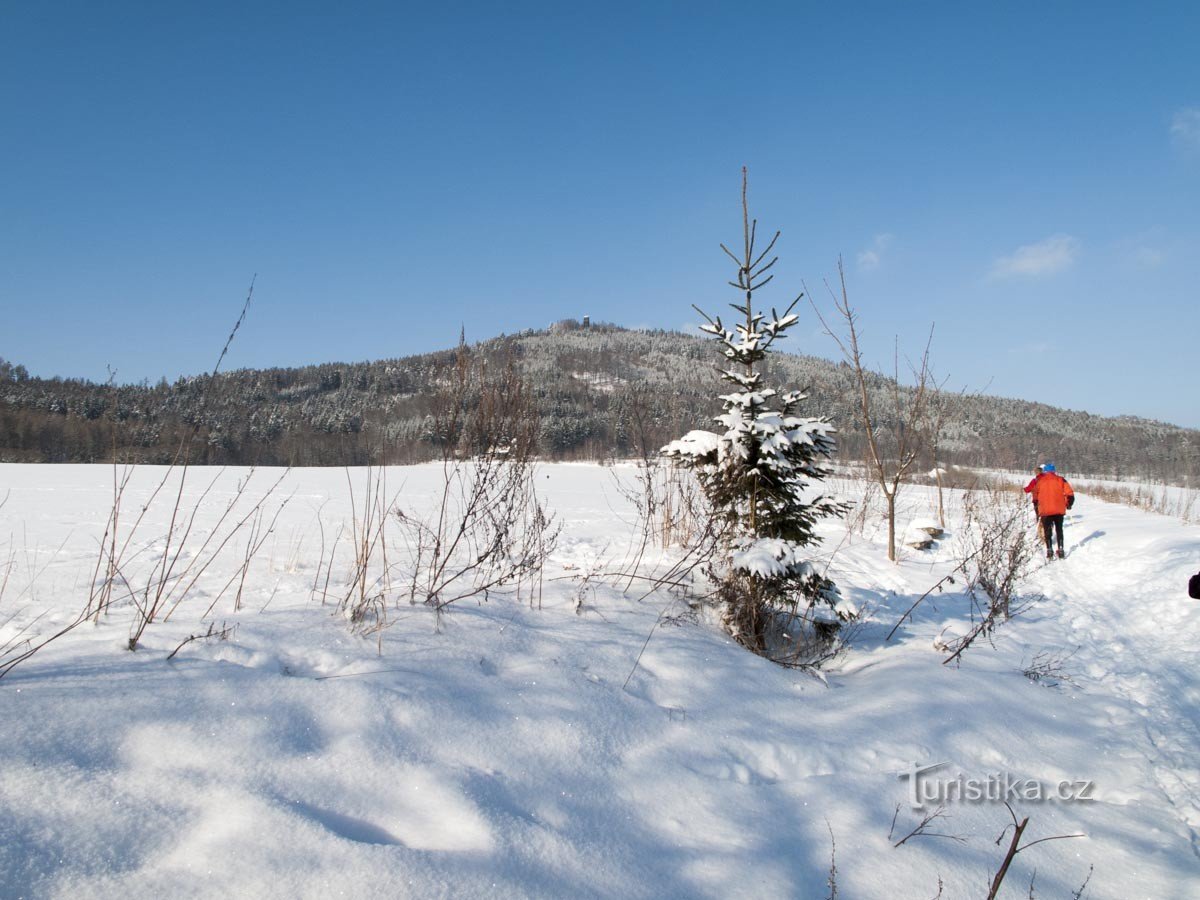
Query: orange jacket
[1051,492]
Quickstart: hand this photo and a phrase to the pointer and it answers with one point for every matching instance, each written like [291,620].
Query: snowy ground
[504,756]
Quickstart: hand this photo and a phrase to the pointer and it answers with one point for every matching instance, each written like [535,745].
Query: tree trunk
[937,473]
[891,517]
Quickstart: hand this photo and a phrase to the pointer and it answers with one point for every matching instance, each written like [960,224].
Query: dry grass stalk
[161,594]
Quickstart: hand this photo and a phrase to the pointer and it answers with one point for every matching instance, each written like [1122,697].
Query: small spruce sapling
[758,475]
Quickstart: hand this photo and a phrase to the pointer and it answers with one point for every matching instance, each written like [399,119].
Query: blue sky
[1026,176]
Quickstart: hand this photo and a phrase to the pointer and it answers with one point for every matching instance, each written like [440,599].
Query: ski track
[1134,615]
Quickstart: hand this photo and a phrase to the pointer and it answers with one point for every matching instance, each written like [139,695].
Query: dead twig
[922,829]
[222,634]
[1015,846]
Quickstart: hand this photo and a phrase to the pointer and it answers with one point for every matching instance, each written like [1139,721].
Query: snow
[925,525]
[516,751]
[696,444]
[771,558]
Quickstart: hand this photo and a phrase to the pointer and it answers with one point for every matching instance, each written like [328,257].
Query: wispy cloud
[1047,257]
[869,259]
[1150,257]
[1035,349]
[1149,249]
[1185,128]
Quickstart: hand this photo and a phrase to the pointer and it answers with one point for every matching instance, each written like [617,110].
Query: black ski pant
[1052,525]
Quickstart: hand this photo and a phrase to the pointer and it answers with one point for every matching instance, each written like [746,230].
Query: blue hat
[1048,467]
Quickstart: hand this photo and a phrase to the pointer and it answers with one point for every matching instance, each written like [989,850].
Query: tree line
[601,392]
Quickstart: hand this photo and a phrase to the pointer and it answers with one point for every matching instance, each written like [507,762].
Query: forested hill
[600,392]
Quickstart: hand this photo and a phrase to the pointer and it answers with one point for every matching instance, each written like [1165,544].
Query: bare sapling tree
[761,476]
[941,409]
[891,416]
[999,550]
[487,530]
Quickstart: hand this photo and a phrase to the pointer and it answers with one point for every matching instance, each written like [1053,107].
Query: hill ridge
[592,386]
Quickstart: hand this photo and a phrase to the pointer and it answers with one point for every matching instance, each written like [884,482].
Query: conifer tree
[760,474]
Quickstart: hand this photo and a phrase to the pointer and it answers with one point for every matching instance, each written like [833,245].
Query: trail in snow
[1122,595]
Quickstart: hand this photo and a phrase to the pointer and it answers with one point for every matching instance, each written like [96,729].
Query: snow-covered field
[509,753]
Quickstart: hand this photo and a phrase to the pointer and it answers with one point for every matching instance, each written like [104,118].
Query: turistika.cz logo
[995,787]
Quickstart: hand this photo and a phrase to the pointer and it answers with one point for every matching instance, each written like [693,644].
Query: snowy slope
[505,755]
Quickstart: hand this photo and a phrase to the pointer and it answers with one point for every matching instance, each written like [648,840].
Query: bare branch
[1015,846]
[922,829]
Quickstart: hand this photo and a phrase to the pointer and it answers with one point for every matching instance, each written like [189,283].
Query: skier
[1031,488]
[1053,496]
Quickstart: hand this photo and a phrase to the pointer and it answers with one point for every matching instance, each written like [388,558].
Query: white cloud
[870,258]
[1150,257]
[1035,349]
[1149,249]
[1185,128]
[1054,254]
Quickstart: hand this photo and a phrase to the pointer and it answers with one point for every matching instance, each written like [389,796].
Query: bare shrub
[669,512]
[177,566]
[487,529]
[999,522]
[1162,499]
[1049,667]
[668,499]
[999,551]
[368,520]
